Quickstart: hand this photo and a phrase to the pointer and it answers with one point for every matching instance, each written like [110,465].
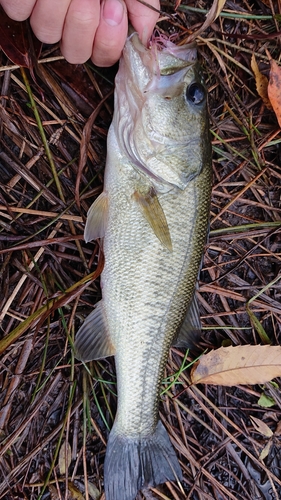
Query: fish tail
[132,464]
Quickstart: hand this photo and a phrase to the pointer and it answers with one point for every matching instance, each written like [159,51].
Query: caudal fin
[132,464]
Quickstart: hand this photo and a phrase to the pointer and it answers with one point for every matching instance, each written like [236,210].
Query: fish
[152,219]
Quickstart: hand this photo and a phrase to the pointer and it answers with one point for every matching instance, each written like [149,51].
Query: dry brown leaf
[278,429]
[261,427]
[93,491]
[274,89]
[53,492]
[214,11]
[64,458]
[212,15]
[238,365]
[75,493]
[18,42]
[265,450]
[261,83]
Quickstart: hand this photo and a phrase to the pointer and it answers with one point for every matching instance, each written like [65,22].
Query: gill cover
[160,104]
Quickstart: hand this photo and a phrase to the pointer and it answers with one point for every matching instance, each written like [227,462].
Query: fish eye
[196,93]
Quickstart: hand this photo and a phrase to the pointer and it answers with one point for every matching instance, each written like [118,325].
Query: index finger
[143,18]
[19,10]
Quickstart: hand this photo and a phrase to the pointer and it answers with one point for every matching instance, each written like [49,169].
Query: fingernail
[145,36]
[113,12]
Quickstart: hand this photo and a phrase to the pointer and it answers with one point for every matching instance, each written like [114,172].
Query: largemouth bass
[153,218]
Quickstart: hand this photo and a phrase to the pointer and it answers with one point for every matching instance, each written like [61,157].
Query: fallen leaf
[266,401]
[79,87]
[261,82]
[274,89]
[266,450]
[18,41]
[93,491]
[261,427]
[278,429]
[53,492]
[215,10]
[212,15]
[64,458]
[75,493]
[79,487]
[238,365]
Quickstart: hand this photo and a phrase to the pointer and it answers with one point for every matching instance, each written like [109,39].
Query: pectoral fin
[96,218]
[154,214]
[92,339]
[190,332]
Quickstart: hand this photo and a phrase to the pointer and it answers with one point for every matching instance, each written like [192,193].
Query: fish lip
[186,54]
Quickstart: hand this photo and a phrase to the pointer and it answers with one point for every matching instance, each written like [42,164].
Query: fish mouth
[166,55]
[165,62]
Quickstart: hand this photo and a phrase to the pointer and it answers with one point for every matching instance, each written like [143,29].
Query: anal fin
[92,339]
[190,331]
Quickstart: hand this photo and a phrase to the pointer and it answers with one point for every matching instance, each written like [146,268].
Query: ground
[52,157]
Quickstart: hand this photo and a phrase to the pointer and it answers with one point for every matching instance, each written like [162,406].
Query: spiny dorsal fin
[154,214]
[190,332]
[96,218]
[92,339]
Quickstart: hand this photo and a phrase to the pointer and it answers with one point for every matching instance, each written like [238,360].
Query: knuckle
[83,18]
[47,36]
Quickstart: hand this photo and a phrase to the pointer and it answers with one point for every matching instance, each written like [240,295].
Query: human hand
[85,28]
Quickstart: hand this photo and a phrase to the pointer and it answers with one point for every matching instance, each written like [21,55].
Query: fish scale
[153,218]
